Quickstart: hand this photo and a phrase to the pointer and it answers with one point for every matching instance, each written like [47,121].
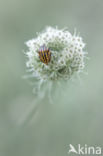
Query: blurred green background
[76,116]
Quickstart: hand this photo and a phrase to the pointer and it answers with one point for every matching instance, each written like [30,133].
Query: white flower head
[66,55]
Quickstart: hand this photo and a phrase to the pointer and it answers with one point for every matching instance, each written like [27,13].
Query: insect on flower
[44,54]
[55,54]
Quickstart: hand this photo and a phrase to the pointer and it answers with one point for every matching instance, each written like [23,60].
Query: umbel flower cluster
[55,55]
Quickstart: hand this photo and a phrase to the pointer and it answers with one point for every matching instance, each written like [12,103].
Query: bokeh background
[76,117]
